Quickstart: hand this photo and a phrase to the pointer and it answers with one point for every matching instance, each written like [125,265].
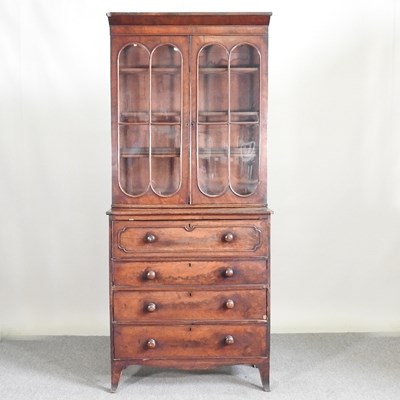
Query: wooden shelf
[223,151]
[134,117]
[212,113]
[236,117]
[217,70]
[172,70]
[212,70]
[145,152]
[165,123]
[165,118]
[148,123]
[175,152]
[133,123]
[244,122]
[245,69]
[213,152]
[138,70]
[245,113]
[143,118]
[133,70]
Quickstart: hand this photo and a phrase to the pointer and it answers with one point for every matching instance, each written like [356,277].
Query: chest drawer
[150,274]
[189,305]
[190,341]
[201,238]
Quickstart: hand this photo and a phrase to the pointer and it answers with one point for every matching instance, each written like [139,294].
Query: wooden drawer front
[190,341]
[189,273]
[202,238]
[189,305]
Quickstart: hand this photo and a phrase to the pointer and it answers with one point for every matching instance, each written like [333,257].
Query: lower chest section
[189,289]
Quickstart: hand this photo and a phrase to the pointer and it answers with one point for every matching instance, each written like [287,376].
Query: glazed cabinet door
[150,119]
[229,75]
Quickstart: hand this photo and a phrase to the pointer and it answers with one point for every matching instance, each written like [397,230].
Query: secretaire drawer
[200,238]
[190,341]
[189,305]
[148,273]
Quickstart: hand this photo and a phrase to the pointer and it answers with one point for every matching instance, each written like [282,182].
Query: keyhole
[190,264]
[190,294]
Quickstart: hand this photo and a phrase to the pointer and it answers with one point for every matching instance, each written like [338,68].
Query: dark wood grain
[188,18]
[189,261]
[170,238]
[189,305]
[200,341]
[189,363]
[179,30]
[189,273]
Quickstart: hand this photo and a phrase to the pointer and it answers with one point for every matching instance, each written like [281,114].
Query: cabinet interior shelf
[157,118]
[172,70]
[136,70]
[175,152]
[155,152]
[225,123]
[221,181]
[144,123]
[237,117]
[216,70]
[223,151]
[174,118]
[233,113]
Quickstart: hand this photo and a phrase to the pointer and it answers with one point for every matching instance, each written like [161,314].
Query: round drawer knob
[150,275]
[229,304]
[229,272]
[150,238]
[151,344]
[151,307]
[229,339]
[229,237]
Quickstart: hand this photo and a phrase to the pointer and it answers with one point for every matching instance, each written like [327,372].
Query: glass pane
[213,84]
[166,94]
[165,159]
[134,174]
[134,87]
[212,159]
[244,163]
[245,84]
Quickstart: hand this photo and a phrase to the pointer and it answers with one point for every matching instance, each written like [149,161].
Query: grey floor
[312,366]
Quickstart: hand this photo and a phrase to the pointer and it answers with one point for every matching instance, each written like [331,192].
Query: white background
[334,162]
